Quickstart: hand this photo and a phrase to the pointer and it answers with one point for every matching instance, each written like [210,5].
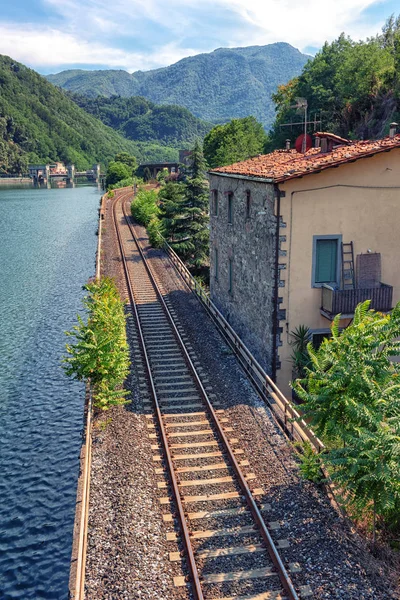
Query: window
[326,260]
[318,338]
[215,203]
[230,276]
[230,207]
[216,263]
[248,204]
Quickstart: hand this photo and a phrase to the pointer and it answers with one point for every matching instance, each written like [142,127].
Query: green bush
[310,463]
[351,398]
[116,172]
[145,206]
[154,232]
[100,353]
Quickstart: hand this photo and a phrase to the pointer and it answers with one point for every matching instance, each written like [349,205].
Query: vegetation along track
[228,547]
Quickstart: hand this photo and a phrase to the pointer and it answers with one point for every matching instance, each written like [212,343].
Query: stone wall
[249,242]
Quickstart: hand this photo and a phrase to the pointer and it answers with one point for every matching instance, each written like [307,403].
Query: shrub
[100,353]
[351,395]
[310,463]
[154,231]
[145,206]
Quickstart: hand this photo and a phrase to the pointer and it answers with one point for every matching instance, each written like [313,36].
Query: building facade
[242,210]
[320,236]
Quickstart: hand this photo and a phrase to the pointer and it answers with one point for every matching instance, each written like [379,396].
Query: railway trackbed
[223,538]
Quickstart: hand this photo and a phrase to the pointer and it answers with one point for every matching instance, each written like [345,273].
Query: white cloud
[305,22]
[301,23]
[91,32]
[48,48]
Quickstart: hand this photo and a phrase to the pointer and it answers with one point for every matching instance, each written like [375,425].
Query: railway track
[230,549]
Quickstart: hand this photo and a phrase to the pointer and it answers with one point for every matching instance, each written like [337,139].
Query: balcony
[344,302]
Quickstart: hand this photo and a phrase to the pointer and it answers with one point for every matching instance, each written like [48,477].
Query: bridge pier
[70,173]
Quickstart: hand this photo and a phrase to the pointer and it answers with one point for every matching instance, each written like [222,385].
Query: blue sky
[54,35]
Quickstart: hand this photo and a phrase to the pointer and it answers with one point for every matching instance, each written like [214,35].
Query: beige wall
[317,205]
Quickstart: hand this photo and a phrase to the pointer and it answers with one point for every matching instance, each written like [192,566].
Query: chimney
[287,144]
[392,130]
[324,145]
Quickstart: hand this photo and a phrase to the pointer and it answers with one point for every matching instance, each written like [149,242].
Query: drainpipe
[275,322]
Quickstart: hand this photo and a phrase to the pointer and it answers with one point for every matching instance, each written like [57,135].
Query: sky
[54,35]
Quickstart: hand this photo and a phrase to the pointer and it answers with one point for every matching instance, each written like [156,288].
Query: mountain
[39,123]
[218,86]
[141,120]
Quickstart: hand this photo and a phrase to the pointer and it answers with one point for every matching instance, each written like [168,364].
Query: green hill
[141,120]
[219,86]
[39,123]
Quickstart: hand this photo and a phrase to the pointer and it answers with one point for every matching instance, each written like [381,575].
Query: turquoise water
[47,252]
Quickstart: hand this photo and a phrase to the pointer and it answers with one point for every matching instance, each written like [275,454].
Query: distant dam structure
[44,174]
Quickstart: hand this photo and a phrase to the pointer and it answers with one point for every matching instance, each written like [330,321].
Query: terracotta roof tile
[282,165]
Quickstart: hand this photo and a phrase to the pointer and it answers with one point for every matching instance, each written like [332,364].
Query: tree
[127,159]
[162,176]
[351,396]
[196,206]
[117,171]
[352,86]
[146,174]
[237,140]
[172,212]
[184,212]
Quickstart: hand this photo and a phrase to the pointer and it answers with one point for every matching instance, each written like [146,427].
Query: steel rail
[271,548]
[288,418]
[186,535]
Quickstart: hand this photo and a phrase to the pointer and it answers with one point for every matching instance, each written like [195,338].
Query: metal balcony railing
[344,302]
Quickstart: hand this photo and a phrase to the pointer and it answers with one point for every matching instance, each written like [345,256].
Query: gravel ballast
[127,548]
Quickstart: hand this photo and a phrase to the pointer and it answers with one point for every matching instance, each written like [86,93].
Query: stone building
[297,238]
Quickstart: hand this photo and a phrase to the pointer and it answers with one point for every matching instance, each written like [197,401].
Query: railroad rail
[193,436]
[284,412]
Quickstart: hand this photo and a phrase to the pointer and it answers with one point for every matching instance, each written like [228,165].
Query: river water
[47,252]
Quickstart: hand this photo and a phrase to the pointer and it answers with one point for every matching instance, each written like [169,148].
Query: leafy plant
[99,354]
[235,141]
[351,395]
[310,463]
[145,206]
[154,231]
[301,337]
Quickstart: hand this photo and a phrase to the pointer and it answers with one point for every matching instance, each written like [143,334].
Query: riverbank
[15,181]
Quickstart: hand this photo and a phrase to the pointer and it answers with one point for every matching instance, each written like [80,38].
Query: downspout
[275,321]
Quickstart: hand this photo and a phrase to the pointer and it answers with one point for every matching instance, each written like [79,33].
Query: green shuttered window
[325,260]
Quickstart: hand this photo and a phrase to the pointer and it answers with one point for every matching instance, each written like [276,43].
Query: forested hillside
[221,85]
[141,120]
[39,123]
[353,86]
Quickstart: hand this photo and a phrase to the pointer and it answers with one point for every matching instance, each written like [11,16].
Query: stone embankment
[15,180]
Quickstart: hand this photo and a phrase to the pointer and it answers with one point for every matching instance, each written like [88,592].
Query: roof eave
[240,176]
